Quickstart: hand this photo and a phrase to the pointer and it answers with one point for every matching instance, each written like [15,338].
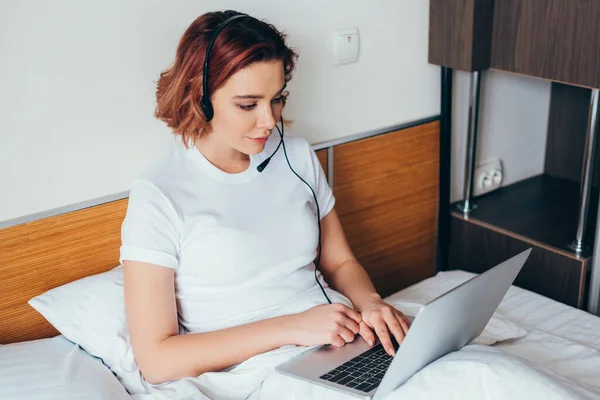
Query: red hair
[240,44]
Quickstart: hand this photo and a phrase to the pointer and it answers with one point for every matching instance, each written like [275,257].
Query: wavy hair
[241,43]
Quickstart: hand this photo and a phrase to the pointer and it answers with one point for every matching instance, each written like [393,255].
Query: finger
[367,333]
[384,335]
[393,324]
[345,334]
[406,319]
[348,323]
[336,340]
[355,315]
[404,322]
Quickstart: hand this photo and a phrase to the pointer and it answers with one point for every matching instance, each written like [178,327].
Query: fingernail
[371,342]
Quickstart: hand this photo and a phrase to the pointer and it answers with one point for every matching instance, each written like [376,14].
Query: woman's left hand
[382,318]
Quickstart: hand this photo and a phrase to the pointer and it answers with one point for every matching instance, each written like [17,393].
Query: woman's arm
[345,274]
[163,355]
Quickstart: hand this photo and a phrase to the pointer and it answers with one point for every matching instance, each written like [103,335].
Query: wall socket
[488,176]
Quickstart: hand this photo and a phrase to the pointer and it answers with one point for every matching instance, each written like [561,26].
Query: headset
[209,112]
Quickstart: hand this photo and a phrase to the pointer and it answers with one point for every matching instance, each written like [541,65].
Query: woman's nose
[267,120]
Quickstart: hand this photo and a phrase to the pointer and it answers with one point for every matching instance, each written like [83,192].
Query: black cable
[208,110]
[318,259]
[261,167]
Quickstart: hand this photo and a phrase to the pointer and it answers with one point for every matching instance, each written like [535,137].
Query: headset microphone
[264,164]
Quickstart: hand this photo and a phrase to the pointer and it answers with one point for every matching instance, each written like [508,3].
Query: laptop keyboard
[364,372]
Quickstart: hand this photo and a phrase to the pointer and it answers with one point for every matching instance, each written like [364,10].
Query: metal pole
[466,206]
[443,237]
[593,303]
[586,175]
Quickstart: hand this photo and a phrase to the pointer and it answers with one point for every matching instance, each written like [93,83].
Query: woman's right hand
[333,324]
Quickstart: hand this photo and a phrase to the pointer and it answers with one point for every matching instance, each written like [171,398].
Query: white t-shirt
[242,245]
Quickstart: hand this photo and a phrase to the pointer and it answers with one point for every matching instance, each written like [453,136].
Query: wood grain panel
[44,254]
[567,129]
[551,39]
[460,33]
[477,248]
[322,156]
[387,190]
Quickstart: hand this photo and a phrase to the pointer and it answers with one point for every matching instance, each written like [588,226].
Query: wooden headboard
[387,193]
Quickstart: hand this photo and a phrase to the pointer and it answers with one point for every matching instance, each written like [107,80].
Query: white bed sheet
[559,357]
[54,369]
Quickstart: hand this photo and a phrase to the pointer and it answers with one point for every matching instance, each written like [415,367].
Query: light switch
[345,46]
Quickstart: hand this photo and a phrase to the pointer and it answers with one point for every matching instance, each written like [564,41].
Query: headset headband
[205,102]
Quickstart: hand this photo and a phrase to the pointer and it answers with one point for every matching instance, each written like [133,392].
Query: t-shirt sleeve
[321,186]
[149,231]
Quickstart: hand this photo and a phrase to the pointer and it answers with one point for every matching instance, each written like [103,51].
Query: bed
[64,333]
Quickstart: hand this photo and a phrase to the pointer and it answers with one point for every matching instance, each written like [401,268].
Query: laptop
[442,326]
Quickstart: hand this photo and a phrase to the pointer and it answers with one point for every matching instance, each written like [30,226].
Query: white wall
[78,79]
[512,125]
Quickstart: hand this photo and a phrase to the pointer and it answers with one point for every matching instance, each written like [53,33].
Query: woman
[217,250]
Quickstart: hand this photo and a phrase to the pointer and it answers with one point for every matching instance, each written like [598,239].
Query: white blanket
[475,372]
[510,370]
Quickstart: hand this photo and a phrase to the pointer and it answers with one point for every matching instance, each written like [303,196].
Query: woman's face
[247,107]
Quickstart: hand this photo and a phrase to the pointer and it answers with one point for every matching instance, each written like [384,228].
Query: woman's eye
[276,100]
[280,99]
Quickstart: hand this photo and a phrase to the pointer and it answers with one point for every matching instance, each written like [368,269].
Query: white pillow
[54,368]
[91,313]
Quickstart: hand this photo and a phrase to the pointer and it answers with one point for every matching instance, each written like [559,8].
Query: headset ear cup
[207,109]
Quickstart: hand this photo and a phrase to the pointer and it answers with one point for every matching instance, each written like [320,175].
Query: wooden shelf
[539,212]
[542,209]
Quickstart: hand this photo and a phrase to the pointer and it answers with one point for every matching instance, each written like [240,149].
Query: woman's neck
[226,158]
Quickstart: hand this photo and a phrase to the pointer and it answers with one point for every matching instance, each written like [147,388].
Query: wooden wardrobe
[554,212]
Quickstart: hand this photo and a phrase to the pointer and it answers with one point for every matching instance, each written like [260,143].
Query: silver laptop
[440,327]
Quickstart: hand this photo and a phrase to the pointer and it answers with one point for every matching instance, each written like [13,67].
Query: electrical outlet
[488,176]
